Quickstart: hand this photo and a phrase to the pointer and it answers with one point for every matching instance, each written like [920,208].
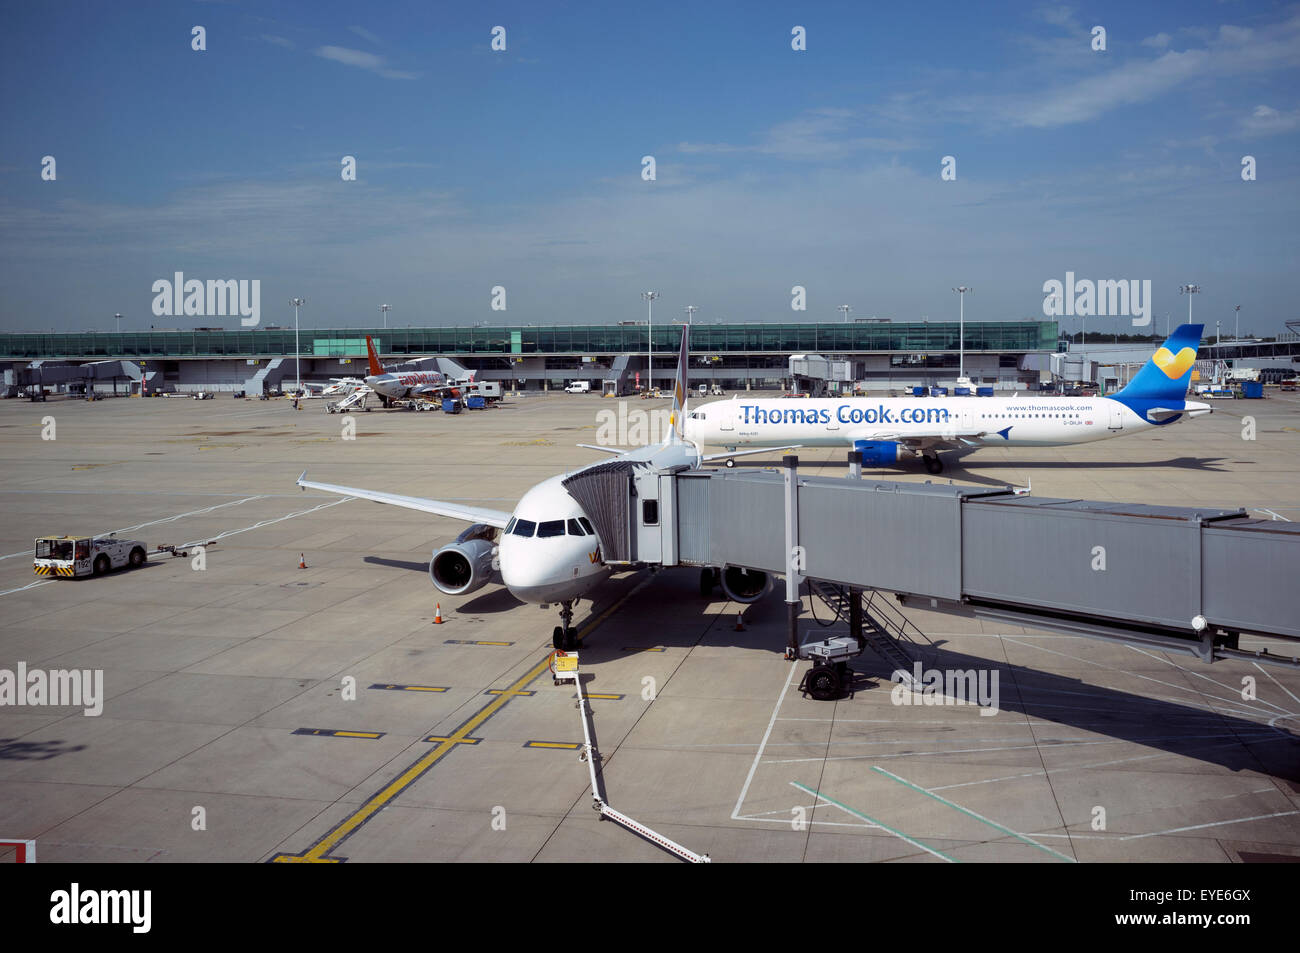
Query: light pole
[1236,334]
[119,320]
[961,331]
[690,310]
[384,309]
[297,353]
[1189,290]
[650,321]
[846,309]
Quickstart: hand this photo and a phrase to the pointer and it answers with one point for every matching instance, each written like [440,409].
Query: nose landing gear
[565,637]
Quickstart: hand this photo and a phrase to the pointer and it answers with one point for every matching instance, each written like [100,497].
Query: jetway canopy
[1187,573]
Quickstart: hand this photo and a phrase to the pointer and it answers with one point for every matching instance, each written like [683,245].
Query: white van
[579,387]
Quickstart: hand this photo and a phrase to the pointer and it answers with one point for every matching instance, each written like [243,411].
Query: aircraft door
[727,420]
[1116,420]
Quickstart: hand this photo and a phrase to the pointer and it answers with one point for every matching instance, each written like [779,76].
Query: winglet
[376,369]
[300,478]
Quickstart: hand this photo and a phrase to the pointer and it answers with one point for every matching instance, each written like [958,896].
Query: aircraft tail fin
[681,389]
[376,368]
[1169,371]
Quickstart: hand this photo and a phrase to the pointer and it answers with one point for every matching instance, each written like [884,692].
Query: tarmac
[257,711]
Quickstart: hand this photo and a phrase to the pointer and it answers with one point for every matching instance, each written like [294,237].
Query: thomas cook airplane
[547,550]
[886,430]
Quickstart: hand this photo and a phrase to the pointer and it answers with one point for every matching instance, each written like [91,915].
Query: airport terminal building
[881,355]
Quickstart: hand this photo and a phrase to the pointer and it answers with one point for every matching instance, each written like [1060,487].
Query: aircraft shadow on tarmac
[11,749]
[1214,737]
[498,599]
[397,563]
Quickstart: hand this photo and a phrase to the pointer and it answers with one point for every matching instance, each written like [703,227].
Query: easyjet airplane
[401,385]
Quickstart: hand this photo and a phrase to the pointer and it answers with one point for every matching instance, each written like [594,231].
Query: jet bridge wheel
[932,463]
[823,682]
[708,582]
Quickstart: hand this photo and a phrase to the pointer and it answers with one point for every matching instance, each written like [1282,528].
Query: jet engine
[879,453]
[745,585]
[465,565]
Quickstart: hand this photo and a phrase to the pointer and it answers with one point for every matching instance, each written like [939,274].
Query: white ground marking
[1206,677]
[1054,746]
[166,519]
[1094,764]
[1197,827]
[978,817]
[259,525]
[30,585]
[1275,681]
[735,814]
[873,821]
[1181,688]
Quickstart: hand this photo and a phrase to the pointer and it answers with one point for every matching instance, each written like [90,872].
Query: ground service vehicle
[86,555]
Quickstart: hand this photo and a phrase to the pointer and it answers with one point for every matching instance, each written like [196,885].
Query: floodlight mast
[961,330]
[650,353]
[297,357]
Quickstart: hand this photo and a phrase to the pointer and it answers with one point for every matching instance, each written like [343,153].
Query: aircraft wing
[457,511]
[937,440]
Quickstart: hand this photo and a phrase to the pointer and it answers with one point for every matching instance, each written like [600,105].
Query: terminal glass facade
[918,337]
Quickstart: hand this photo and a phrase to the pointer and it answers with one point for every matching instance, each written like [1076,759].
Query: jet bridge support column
[855,464]
[793,554]
[855,614]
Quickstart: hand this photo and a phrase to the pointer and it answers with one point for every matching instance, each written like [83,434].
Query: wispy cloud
[1267,121]
[1229,52]
[819,135]
[276,40]
[366,35]
[363,60]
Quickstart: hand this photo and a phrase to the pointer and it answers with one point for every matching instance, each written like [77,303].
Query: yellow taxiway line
[317,852]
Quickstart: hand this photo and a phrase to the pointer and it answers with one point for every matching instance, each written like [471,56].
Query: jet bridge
[1183,579]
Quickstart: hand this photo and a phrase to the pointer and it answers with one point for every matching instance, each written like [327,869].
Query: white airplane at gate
[546,550]
[886,430]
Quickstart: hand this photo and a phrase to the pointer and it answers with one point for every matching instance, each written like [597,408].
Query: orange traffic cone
[740,622]
[437,614]
[302,560]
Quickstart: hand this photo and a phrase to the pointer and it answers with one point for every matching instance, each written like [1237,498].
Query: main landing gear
[565,637]
[932,463]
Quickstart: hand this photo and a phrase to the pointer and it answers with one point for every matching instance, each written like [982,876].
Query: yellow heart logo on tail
[1174,366]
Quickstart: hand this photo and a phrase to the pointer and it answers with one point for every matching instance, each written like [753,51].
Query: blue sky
[522,168]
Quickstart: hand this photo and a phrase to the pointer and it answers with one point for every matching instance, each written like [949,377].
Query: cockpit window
[524,527]
[550,528]
[586,524]
[575,529]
